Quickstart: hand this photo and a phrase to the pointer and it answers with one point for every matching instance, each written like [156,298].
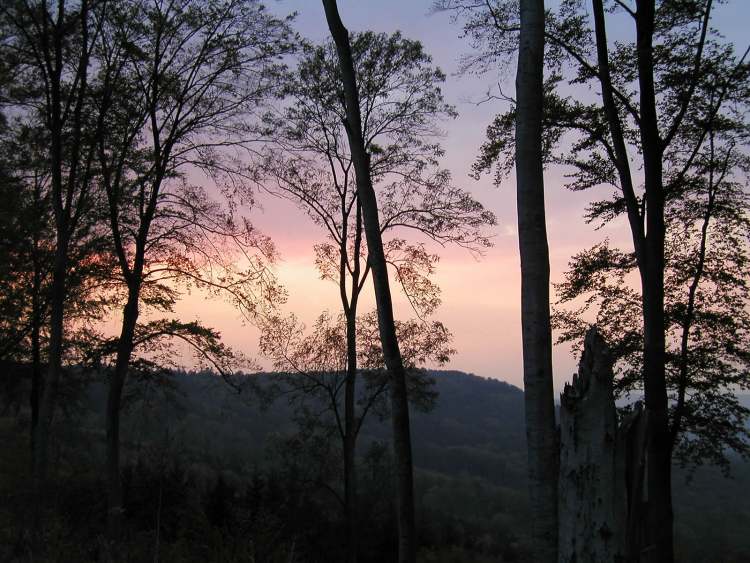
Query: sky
[481,296]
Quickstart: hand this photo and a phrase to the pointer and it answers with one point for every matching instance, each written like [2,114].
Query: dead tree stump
[592,484]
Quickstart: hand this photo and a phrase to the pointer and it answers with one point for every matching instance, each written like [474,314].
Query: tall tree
[536,331]
[51,47]
[27,246]
[361,159]
[177,87]
[310,164]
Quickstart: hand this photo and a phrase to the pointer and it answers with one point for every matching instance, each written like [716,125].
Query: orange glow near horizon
[480,294]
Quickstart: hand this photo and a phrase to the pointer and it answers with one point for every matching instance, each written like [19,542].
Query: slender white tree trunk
[541,433]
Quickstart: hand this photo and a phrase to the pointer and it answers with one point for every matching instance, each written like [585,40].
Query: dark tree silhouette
[177,87]
[392,355]
[706,297]
[50,48]
[309,163]
[27,247]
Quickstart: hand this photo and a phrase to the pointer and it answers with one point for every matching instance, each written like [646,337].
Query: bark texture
[541,433]
[592,500]
[376,258]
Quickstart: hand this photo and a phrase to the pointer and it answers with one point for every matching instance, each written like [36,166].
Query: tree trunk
[114,400]
[535,316]
[43,428]
[36,321]
[592,500]
[659,478]
[36,352]
[59,281]
[633,437]
[350,439]
[376,257]
[52,380]
[621,160]
[62,204]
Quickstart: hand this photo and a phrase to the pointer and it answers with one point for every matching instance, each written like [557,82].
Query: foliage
[179,85]
[402,105]
[310,163]
[701,95]
[27,250]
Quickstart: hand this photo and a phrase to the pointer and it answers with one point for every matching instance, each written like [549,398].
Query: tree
[314,372]
[594,464]
[399,402]
[50,49]
[25,243]
[310,164]
[27,248]
[706,297]
[535,316]
[657,113]
[176,89]
[486,23]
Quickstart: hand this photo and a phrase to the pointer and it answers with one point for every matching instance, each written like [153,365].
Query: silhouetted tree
[706,298]
[27,248]
[176,90]
[50,49]
[311,165]
[361,159]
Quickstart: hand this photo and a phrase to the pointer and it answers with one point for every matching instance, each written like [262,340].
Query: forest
[169,391]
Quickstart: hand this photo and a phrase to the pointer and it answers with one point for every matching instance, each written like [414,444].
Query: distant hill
[475,428]
[469,453]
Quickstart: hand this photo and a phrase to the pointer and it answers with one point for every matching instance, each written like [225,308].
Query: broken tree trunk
[592,491]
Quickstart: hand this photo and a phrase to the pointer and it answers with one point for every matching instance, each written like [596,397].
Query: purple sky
[481,298]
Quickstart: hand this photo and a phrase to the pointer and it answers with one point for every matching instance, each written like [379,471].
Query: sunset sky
[481,296]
